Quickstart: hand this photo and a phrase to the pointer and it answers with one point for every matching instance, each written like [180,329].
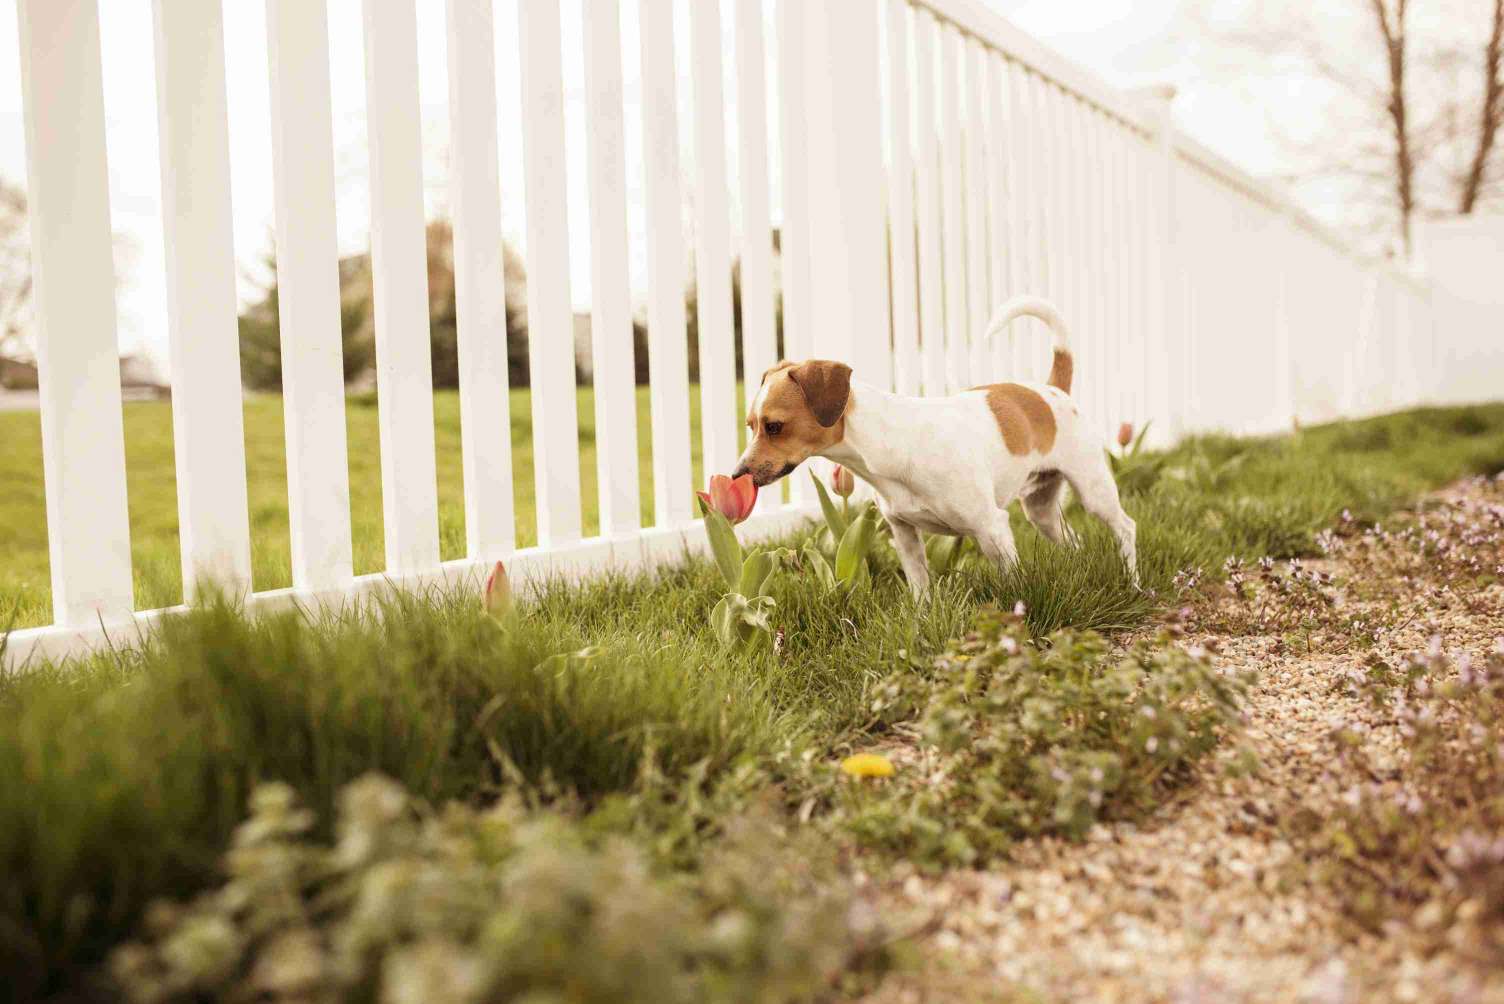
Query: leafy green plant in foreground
[1017,737]
[853,538]
[410,904]
[744,610]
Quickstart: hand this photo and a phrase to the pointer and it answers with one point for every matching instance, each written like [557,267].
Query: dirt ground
[1209,900]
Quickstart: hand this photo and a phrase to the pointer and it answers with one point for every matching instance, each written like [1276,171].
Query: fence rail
[931,160]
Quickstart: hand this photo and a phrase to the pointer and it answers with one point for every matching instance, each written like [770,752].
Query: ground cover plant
[1012,736]
[616,708]
[503,904]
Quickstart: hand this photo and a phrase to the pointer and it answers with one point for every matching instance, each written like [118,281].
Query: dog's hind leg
[1042,507]
[1099,495]
[910,548]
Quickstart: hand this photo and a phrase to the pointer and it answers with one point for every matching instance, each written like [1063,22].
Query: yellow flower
[867,765]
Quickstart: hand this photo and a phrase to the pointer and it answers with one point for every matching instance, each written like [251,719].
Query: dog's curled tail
[1063,365]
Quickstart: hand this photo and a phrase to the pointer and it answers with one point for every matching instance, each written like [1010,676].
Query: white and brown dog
[947,465]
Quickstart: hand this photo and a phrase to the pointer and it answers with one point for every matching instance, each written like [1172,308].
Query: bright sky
[1128,42]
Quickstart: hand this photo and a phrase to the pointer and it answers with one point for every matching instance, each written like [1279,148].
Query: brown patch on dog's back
[1023,417]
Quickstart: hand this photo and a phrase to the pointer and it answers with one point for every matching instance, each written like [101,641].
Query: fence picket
[550,317]
[668,356]
[611,295]
[845,153]
[927,200]
[953,211]
[1098,233]
[1027,264]
[759,334]
[479,286]
[975,197]
[399,288]
[1081,209]
[907,378]
[714,319]
[798,339]
[1047,243]
[1000,183]
[313,377]
[207,426]
[83,437]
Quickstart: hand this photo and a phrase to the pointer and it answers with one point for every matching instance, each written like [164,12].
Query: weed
[1008,737]
[415,905]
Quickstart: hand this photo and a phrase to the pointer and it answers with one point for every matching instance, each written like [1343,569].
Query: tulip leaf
[724,546]
[833,517]
[818,566]
[757,574]
[722,621]
[855,543]
[737,620]
[942,551]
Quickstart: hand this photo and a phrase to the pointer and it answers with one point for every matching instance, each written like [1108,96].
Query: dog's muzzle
[763,476]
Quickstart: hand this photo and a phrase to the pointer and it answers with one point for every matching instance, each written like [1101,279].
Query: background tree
[260,339]
[15,269]
[1407,99]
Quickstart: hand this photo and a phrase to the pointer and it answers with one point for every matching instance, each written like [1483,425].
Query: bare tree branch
[1393,29]
[1490,114]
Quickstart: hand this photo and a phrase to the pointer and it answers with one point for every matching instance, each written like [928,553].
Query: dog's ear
[826,386]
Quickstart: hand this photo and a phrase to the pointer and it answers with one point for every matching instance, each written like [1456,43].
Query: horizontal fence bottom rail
[528,570]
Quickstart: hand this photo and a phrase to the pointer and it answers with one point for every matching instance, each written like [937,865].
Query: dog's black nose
[740,470]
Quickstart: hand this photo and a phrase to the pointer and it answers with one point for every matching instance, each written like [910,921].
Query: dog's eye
[772,428]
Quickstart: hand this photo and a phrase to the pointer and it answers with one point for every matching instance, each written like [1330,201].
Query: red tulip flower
[732,499]
[842,481]
[1125,434]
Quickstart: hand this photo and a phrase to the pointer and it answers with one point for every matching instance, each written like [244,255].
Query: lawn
[626,752]
[152,492]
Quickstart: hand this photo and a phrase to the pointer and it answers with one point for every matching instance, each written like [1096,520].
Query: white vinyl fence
[928,161]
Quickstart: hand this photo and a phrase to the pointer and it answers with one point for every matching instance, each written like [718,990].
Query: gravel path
[1209,901]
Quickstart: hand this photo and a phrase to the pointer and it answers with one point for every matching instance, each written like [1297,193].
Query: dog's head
[798,412]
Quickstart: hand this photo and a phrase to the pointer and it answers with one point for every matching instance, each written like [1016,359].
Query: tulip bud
[1125,434]
[498,594]
[842,481]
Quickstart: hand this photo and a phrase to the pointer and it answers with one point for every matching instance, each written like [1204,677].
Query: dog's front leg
[996,541]
[910,550]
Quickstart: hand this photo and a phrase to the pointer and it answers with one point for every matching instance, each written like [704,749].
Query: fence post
[207,426]
[848,241]
[1283,316]
[313,379]
[1167,297]
[479,290]
[847,259]
[83,437]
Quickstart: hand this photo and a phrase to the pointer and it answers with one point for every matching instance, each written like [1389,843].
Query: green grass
[125,773]
[25,592]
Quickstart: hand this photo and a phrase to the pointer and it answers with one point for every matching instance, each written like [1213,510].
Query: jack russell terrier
[946,465]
